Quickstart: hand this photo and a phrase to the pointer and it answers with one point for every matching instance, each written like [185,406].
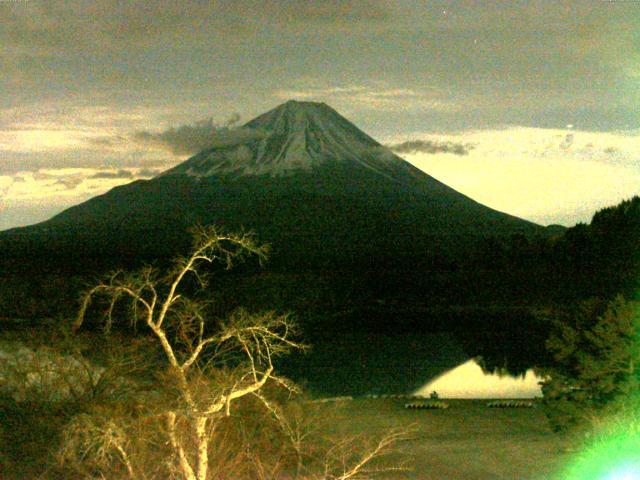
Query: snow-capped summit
[295,136]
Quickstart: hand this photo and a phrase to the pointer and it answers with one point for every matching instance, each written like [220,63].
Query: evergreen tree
[596,353]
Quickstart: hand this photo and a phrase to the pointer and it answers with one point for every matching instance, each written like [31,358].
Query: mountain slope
[302,176]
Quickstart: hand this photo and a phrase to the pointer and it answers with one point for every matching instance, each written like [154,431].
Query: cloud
[528,172]
[430,146]
[66,183]
[33,196]
[568,141]
[59,135]
[522,60]
[122,173]
[106,141]
[71,25]
[148,172]
[379,96]
[190,139]
[5,185]
[125,173]
[74,26]
[69,182]
[63,178]
[329,11]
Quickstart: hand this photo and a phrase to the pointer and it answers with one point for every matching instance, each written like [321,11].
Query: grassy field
[468,441]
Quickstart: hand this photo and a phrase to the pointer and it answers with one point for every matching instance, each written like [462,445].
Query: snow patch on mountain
[296,136]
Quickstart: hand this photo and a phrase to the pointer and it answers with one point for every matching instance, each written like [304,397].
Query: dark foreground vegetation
[186,398]
[118,405]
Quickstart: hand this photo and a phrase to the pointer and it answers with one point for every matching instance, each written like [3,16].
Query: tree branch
[234,394]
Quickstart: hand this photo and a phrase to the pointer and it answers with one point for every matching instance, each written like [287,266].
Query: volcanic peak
[295,136]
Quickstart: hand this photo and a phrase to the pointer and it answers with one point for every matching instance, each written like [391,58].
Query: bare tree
[179,325]
[212,366]
[361,458]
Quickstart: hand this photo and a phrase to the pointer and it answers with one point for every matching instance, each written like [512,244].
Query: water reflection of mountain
[469,380]
[401,357]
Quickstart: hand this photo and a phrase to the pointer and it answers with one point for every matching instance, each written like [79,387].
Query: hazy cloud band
[430,146]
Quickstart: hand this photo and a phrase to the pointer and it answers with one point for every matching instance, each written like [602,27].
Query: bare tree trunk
[203,447]
[187,471]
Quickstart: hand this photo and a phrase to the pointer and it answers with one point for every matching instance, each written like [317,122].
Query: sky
[530,107]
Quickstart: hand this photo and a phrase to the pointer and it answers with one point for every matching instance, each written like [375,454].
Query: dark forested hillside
[603,257]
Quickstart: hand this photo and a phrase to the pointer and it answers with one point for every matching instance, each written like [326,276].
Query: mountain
[301,176]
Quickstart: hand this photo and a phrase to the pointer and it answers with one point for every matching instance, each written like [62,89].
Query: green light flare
[614,458]
[614,451]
